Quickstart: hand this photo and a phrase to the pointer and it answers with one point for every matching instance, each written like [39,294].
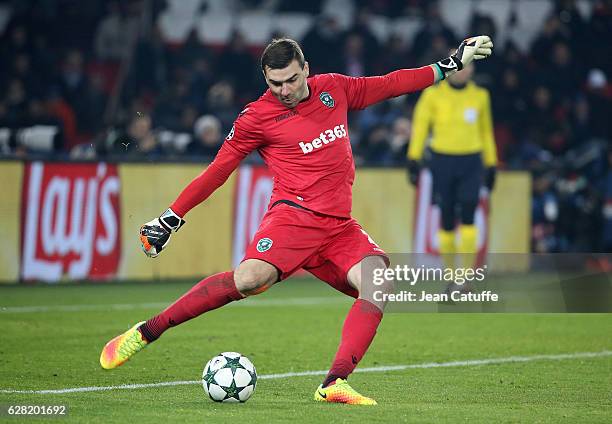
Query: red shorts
[291,238]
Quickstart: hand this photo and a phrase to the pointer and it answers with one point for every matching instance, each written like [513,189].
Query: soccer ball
[229,377]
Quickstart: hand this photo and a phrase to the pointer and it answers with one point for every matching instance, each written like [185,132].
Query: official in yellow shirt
[457,114]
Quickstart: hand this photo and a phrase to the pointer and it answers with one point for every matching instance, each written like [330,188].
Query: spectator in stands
[59,109]
[434,35]
[188,118]
[207,137]
[14,42]
[138,139]
[15,101]
[322,43]
[354,61]
[202,77]
[361,27]
[541,121]
[439,45]
[399,139]
[169,109]
[375,147]
[544,215]
[395,54]
[238,65]
[552,32]
[487,73]
[22,70]
[599,96]
[509,103]
[599,28]
[149,68]
[193,50]
[116,33]
[572,20]
[562,75]
[75,88]
[220,101]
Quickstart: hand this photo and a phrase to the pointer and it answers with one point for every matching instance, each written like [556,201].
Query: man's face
[288,85]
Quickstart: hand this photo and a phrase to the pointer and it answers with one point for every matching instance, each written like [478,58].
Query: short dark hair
[280,53]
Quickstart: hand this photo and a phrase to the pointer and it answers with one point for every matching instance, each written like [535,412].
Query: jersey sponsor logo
[264,244]
[324,138]
[327,99]
[231,133]
[286,115]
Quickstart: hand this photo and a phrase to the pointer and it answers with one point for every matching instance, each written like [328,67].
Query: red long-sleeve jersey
[307,148]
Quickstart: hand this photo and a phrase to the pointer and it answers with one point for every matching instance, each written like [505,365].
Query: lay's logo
[70,221]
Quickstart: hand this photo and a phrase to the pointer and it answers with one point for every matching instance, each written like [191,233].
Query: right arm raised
[244,137]
[213,177]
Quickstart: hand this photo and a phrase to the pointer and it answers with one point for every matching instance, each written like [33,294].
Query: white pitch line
[467,363]
[250,303]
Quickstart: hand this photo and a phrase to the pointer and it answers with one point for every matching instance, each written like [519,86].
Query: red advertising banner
[427,220]
[70,221]
[251,198]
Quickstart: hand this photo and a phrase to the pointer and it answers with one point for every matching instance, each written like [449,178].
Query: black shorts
[456,178]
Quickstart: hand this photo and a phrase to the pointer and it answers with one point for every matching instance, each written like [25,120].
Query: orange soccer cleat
[341,392]
[122,348]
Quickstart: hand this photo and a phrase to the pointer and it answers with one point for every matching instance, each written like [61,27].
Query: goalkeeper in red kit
[299,127]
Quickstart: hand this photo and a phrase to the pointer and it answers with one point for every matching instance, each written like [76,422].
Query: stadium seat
[293,25]
[406,27]
[174,27]
[380,27]
[183,8]
[342,10]
[214,28]
[256,27]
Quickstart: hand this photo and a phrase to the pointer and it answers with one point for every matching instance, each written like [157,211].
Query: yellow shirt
[459,119]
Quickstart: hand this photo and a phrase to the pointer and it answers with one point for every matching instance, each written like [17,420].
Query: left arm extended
[365,91]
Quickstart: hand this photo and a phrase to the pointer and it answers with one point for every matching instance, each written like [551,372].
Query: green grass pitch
[295,327]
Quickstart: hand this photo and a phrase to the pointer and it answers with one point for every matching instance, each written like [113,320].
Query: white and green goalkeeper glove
[473,48]
[155,234]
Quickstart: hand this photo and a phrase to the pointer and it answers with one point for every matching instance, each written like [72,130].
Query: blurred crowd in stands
[97,79]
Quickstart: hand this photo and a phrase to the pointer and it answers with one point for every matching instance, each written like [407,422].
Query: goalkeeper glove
[155,234]
[414,169]
[474,48]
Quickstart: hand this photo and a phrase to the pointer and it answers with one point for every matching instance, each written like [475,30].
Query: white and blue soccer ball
[229,377]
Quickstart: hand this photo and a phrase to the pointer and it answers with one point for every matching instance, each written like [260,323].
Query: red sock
[357,333]
[210,293]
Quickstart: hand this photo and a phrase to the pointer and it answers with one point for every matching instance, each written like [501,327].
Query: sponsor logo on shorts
[324,138]
[264,244]
[327,99]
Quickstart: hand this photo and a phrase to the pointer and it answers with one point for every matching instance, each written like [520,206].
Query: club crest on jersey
[327,99]
[264,244]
